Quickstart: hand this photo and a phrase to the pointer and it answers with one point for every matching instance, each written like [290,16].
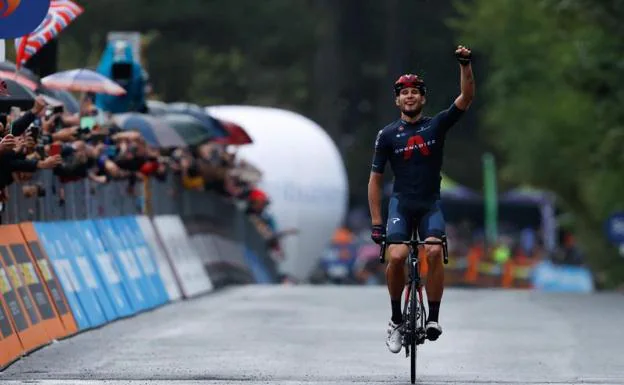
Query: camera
[57,110]
[82,131]
[40,149]
[34,131]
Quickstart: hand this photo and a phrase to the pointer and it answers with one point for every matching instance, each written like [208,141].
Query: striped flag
[60,15]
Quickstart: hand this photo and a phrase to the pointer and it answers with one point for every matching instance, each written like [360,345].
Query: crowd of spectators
[352,258]
[88,144]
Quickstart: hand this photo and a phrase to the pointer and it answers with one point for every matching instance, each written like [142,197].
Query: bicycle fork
[413,332]
[409,330]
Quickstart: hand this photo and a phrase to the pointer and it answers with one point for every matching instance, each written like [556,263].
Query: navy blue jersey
[414,151]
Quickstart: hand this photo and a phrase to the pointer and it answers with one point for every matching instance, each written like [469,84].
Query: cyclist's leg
[432,227]
[398,228]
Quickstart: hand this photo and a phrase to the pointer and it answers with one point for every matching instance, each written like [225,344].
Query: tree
[554,105]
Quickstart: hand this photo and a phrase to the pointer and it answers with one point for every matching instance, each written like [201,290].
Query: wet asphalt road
[335,335]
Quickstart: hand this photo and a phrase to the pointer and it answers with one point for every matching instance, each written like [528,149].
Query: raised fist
[463,55]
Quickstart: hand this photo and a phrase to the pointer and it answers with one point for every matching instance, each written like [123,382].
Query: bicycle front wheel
[414,309]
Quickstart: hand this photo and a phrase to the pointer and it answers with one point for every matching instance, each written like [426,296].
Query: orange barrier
[10,345]
[25,312]
[52,286]
[507,279]
[472,271]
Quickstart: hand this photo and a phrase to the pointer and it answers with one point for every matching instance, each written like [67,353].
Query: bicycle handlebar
[414,242]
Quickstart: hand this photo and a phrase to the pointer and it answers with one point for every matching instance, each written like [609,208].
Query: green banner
[491,200]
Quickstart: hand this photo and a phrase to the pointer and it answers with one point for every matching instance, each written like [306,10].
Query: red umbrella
[236,134]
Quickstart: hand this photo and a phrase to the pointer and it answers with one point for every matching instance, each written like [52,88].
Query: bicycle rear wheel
[414,308]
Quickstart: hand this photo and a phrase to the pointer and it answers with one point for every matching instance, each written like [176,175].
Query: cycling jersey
[415,152]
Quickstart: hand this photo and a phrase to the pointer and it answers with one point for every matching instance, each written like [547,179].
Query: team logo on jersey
[415,142]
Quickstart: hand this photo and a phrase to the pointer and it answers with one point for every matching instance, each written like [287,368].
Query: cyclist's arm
[375,183]
[447,118]
[467,85]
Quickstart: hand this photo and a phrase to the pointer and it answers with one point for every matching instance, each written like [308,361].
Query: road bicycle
[414,314]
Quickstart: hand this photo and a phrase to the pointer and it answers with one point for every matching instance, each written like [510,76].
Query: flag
[60,15]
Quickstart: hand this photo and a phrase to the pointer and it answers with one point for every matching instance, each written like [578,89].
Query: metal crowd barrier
[83,199]
[203,212]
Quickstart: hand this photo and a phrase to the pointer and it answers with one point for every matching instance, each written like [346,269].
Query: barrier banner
[82,280]
[232,256]
[222,268]
[165,270]
[35,284]
[223,261]
[130,273]
[53,287]
[226,260]
[120,224]
[105,267]
[84,265]
[146,259]
[10,345]
[562,278]
[27,319]
[63,270]
[186,261]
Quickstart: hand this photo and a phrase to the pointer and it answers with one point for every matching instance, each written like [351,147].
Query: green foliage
[208,51]
[553,104]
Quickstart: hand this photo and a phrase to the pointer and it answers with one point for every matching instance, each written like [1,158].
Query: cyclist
[413,146]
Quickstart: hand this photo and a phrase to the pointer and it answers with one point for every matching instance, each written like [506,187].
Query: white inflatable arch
[304,176]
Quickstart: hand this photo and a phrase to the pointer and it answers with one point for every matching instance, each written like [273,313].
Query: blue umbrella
[156,132]
[190,129]
[212,125]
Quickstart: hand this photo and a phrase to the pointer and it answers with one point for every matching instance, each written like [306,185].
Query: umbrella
[190,129]
[183,106]
[83,80]
[236,134]
[21,79]
[69,101]
[156,132]
[24,76]
[211,124]
[18,96]
[157,108]
[50,101]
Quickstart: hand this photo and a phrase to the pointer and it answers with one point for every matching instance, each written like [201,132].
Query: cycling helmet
[258,195]
[409,80]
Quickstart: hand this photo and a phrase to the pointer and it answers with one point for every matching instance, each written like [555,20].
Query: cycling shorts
[402,217]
